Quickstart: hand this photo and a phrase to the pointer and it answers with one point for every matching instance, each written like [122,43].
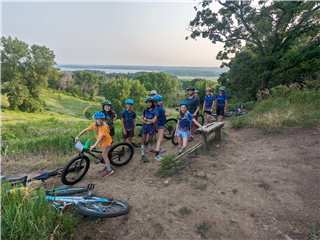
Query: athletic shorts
[112,132]
[220,111]
[107,145]
[148,129]
[183,134]
[160,127]
[129,134]
[208,112]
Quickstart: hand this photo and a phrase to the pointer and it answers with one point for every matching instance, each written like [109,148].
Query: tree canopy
[281,36]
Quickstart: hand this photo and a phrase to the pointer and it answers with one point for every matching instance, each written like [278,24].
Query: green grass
[30,216]
[202,229]
[283,106]
[202,187]
[185,211]
[169,167]
[264,185]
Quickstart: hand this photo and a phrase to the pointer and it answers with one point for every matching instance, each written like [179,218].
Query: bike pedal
[90,186]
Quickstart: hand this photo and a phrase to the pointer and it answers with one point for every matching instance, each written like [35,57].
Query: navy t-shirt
[128,117]
[149,113]
[221,100]
[184,124]
[209,101]
[161,118]
[193,103]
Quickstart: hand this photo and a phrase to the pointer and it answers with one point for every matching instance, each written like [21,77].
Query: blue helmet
[222,88]
[157,98]
[183,103]
[99,115]
[148,99]
[196,91]
[106,102]
[129,101]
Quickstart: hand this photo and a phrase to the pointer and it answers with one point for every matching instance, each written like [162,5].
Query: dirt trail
[220,187]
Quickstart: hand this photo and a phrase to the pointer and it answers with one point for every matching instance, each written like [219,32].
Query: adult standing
[221,103]
[193,107]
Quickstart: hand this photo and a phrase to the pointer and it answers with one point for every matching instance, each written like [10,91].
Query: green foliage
[169,167]
[202,229]
[283,106]
[185,211]
[30,216]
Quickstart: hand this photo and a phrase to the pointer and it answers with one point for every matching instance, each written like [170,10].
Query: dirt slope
[228,203]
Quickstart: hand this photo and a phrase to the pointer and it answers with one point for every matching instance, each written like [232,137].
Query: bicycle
[120,154]
[168,128]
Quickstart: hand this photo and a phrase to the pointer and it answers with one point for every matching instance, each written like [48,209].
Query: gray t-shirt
[193,103]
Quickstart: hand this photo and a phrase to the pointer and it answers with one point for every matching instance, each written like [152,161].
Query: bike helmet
[157,98]
[183,103]
[208,89]
[99,115]
[190,88]
[106,102]
[148,99]
[129,101]
[196,91]
[153,92]
[222,88]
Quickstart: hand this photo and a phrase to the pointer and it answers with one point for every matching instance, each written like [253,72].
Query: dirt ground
[250,185]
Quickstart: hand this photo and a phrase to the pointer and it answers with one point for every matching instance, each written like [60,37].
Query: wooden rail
[212,127]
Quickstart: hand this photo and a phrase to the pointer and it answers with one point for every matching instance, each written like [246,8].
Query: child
[111,116]
[221,103]
[148,118]
[208,105]
[184,125]
[160,123]
[128,123]
[104,140]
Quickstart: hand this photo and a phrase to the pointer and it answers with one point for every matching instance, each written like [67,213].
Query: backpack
[153,112]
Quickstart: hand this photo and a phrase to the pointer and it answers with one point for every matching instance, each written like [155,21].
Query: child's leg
[180,141]
[160,137]
[185,142]
[105,151]
[143,144]
[130,140]
[150,141]
[192,128]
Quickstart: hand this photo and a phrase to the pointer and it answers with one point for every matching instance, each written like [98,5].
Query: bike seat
[43,176]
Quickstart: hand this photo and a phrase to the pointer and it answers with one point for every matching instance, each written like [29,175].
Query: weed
[264,185]
[275,181]
[313,231]
[169,167]
[214,165]
[212,155]
[126,232]
[185,210]
[133,179]
[252,215]
[202,229]
[203,176]
[202,187]
[235,191]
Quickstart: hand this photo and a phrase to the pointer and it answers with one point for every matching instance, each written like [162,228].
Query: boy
[128,123]
[208,105]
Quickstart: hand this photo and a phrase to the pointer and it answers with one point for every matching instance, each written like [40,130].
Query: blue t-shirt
[193,103]
[209,101]
[150,113]
[184,124]
[128,117]
[161,118]
[221,100]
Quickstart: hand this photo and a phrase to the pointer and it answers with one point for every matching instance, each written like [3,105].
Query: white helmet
[153,92]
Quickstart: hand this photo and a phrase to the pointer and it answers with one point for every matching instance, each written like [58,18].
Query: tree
[87,81]
[162,83]
[54,79]
[25,72]
[269,28]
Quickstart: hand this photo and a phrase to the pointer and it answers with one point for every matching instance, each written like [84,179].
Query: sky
[111,33]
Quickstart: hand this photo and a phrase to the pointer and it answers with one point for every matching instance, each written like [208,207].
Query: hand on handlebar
[91,148]
[76,139]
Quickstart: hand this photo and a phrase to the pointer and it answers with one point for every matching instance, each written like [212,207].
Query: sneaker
[105,168]
[180,151]
[143,159]
[129,151]
[190,139]
[108,173]
[153,152]
[158,158]
[162,150]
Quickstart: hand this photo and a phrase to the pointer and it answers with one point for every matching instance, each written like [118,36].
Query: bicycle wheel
[137,139]
[107,209]
[75,170]
[201,119]
[174,139]
[169,127]
[120,154]
[67,191]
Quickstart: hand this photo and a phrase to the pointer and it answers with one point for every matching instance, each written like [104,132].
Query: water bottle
[87,144]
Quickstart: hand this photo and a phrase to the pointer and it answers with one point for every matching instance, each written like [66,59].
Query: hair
[185,114]
[104,106]
[153,105]
[96,132]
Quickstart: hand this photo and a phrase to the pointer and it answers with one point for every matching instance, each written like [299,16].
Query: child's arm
[166,114]
[135,126]
[97,142]
[153,120]
[225,106]
[212,107]
[198,124]
[123,128]
[203,106]
[175,133]
[142,120]
[115,116]
[81,133]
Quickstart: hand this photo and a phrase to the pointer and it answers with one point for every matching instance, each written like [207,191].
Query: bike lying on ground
[119,154]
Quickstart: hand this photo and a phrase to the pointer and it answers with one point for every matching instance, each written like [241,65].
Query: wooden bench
[212,127]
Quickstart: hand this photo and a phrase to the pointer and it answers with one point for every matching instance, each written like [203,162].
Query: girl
[208,105]
[148,119]
[104,140]
[160,123]
[184,125]
[221,103]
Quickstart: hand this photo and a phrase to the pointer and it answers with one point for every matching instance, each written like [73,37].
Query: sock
[150,147]
[142,150]
[191,136]
[157,153]
[108,166]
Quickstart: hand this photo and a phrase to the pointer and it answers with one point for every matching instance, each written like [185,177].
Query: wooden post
[204,140]
[218,134]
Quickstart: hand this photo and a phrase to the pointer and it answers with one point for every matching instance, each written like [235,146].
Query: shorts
[112,132]
[183,134]
[220,111]
[129,134]
[107,145]
[193,113]
[148,129]
[160,127]
[208,112]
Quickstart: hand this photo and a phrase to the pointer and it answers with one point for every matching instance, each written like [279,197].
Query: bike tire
[200,119]
[174,139]
[119,155]
[66,192]
[72,167]
[111,209]
[137,139]
[169,126]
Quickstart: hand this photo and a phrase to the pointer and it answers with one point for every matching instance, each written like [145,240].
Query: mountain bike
[120,154]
